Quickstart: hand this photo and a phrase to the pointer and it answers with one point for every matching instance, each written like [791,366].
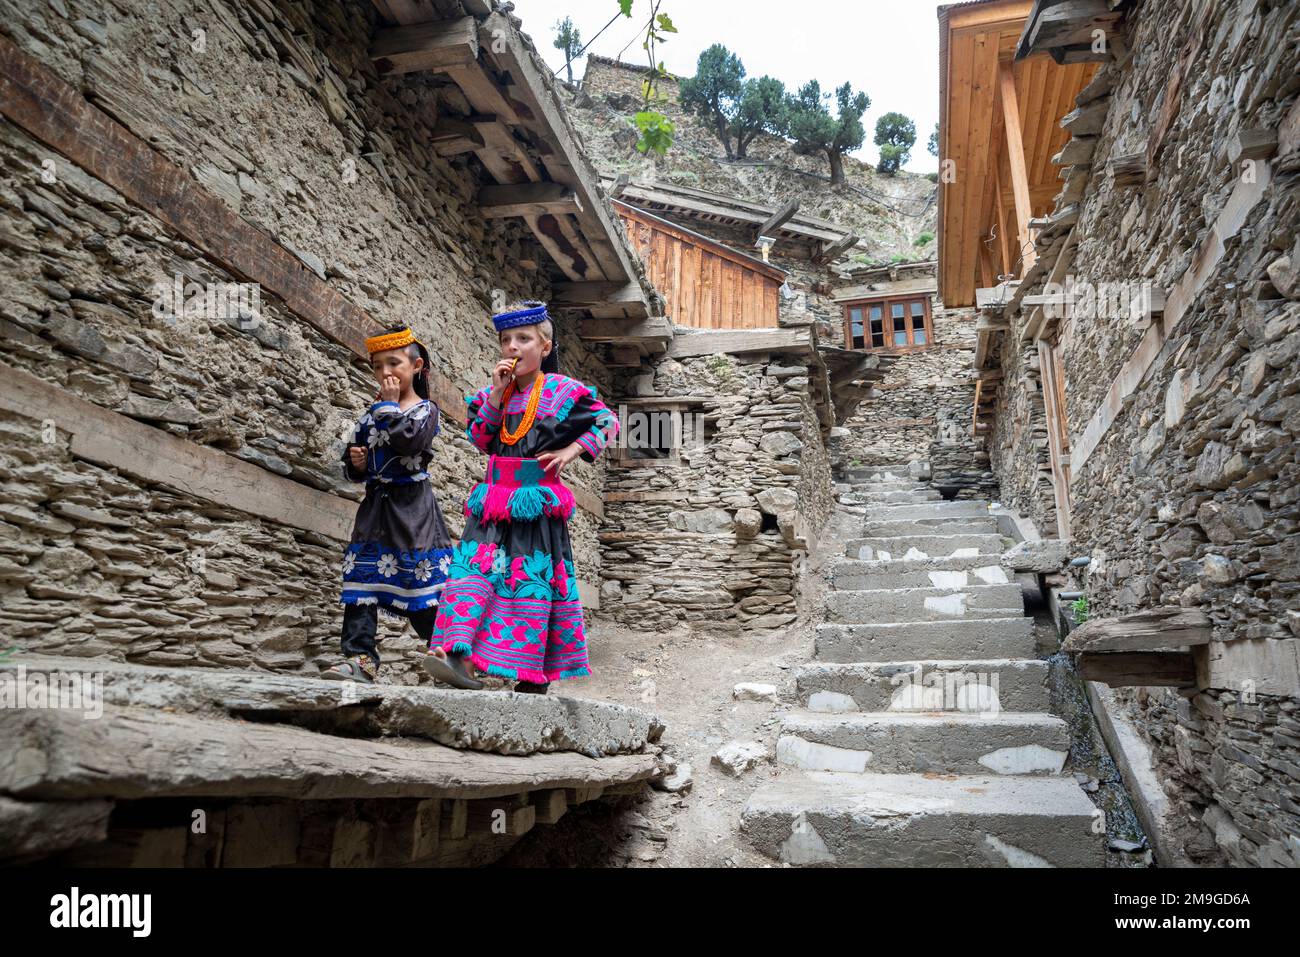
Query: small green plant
[1080,609]
[924,238]
[898,258]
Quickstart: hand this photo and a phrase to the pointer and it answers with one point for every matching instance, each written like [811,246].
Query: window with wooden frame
[889,324]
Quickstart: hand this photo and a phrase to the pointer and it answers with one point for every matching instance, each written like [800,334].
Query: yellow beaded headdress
[399,339]
[390,340]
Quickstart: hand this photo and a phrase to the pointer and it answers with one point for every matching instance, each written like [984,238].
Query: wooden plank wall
[704,288]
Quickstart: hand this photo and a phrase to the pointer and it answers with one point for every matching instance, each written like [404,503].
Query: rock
[738,757]
[1218,569]
[779,444]
[679,781]
[1043,555]
[1219,466]
[748,522]
[750,691]
[1284,272]
[777,501]
[710,521]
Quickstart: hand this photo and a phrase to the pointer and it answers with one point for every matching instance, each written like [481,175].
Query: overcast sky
[889,48]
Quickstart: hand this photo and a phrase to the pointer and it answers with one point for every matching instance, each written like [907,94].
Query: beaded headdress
[534,312]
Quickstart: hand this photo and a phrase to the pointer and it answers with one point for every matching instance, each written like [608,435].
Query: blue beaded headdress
[534,311]
[530,316]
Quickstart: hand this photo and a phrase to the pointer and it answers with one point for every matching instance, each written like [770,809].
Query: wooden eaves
[796,235]
[520,135]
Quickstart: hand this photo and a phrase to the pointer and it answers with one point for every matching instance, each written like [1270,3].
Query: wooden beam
[783,215]
[453,136]
[583,295]
[115,441]
[1172,669]
[732,342]
[625,330]
[426,46]
[833,251]
[1016,159]
[526,199]
[1149,630]
[58,115]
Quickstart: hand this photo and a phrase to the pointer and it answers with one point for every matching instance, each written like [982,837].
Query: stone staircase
[923,735]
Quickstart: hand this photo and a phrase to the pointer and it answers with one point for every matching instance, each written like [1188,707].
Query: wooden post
[1058,441]
[1004,245]
[1016,159]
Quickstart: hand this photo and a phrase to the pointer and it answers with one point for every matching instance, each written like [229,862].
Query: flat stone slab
[854,575]
[924,820]
[1020,684]
[969,638]
[897,528]
[873,606]
[498,722]
[925,546]
[949,742]
[927,510]
[133,753]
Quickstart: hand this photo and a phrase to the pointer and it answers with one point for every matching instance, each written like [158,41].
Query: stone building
[205,209]
[1138,329]
[170,481]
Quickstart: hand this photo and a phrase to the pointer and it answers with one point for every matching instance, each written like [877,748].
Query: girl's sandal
[451,670]
[353,669]
[530,687]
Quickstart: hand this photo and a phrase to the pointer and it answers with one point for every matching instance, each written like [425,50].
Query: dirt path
[688,677]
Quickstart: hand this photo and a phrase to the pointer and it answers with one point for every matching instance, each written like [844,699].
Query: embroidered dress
[400,550]
[511,600]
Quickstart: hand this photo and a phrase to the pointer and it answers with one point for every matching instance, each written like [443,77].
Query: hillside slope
[889,213]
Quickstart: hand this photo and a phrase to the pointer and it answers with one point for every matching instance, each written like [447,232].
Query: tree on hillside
[737,109]
[569,41]
[814,130]
[762,109]
[711,93]
[932,147]
[895,134]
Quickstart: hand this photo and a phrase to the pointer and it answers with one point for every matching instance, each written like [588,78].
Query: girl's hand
[501,376]
[558,460]
[390,388]
[357,456]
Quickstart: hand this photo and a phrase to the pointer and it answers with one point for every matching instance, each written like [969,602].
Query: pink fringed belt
[518,489]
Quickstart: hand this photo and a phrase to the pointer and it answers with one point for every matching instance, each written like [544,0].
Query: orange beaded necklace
[509,436]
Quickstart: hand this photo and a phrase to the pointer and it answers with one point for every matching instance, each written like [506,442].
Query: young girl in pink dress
[510,605]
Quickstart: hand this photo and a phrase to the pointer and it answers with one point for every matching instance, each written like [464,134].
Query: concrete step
[895,496]
[924,820]
[952,742]
[974,638]
[1017,684]
[926,510]
[848,573]
[942,526]
[873,473]
[924,604]
[924,546]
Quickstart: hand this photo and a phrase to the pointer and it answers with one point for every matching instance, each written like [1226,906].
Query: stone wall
[718,538]
[1018,443]
[281,115]
[922,410]
[1191,495]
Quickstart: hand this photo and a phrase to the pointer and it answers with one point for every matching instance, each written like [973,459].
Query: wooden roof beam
[832,251]
[426,46]
[781,216]
[1016,157]
[526,199]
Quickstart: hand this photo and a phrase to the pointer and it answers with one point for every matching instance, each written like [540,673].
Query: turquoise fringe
[563,411]
[476,497]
